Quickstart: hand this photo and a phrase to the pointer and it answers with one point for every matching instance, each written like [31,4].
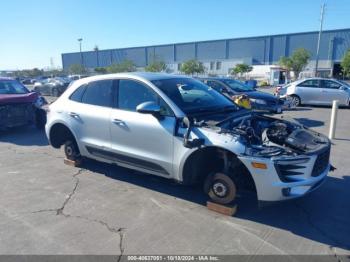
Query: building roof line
[208,41]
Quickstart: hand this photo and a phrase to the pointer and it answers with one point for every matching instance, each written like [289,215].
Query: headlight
[264,151]
[40,101]
[258,101]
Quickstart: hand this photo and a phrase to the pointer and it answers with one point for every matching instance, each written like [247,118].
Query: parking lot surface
[47,207]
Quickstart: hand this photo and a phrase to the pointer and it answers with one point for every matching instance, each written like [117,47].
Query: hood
[261,95]
[18,98]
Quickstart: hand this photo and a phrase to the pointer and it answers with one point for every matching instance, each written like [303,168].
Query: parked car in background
[38,79]
[19,106]
[52,86]
[259,100]
[27,81]
[179,128]
[316,91]
[76,77]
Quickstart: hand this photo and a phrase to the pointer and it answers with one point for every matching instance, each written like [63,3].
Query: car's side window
[132,93]
[98,93]
[78,94]
[215,85]
[310,83]
[330,84]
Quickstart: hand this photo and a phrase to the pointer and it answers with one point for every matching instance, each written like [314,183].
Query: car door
[309,91]
[141,141]
[331,90]
[89,111]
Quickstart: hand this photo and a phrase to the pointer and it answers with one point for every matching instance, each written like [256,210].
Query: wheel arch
[59,133]
[296,95]
[204,161]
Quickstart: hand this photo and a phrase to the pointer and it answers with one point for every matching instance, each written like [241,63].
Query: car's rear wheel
[220,188]
[71,150]
[295,100]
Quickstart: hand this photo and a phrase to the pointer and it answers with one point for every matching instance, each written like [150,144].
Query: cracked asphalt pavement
[47,207]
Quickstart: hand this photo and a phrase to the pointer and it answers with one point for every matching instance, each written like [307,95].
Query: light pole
[319,39]
[81,54]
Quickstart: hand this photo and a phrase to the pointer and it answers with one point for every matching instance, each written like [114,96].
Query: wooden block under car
[222,209]
[72,163]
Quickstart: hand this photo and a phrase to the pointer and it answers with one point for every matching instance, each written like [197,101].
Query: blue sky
[33,31]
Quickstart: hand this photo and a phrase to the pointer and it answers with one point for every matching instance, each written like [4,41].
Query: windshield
[237,86]
[344,83]
[11,87]
[192,96]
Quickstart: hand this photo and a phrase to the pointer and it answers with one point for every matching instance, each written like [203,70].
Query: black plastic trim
[126,160]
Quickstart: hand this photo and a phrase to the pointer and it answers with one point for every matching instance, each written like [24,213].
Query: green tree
[54,72]
[241,69]
[125,66]
[156,66]
[101,70]
[192,66]
[296,62]
[35,72]
[345,63]
[77,69]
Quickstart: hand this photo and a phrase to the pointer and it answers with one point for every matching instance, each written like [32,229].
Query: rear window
[98,93]
[78,94]
[11,87]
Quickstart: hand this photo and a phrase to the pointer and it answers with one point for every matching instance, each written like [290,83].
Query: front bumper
[277,108]
[14,115]
[271,188]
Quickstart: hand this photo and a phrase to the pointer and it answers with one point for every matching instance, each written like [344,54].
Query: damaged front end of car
[286,159]
[22,110]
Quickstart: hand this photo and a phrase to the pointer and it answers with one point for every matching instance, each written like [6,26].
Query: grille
[16,114]
[321,163]
[289,172]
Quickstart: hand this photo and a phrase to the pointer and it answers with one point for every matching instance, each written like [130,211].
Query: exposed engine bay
[268,136]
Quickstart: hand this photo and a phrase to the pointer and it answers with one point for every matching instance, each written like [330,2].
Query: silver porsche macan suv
[179,128]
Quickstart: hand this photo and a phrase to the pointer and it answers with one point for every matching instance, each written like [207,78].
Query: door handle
[118,122]
[72,114]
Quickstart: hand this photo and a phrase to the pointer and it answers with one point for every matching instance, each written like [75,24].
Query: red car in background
[19,106]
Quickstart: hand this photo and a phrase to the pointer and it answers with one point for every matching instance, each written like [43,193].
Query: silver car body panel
[317,95]
[144,143]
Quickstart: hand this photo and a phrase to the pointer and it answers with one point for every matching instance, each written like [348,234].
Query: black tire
[296,101]
[40,119]
[220,188]
[54,92]
[71,150]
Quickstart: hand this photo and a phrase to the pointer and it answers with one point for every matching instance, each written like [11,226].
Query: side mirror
[149,108]
[343,88]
